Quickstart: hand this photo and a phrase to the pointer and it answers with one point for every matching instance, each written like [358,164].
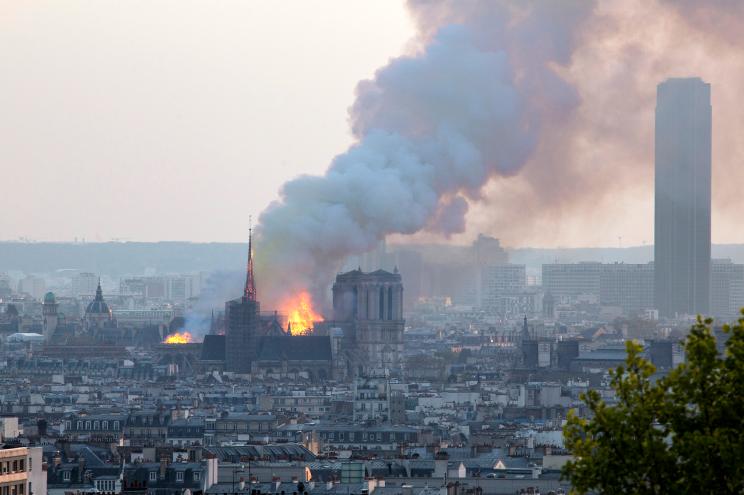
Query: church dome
[98,306]
[49,298]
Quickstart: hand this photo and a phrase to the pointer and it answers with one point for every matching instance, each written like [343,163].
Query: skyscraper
[682,197]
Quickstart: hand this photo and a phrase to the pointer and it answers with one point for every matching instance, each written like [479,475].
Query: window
[87,425]
[381,299]
[197,476]
[153,476]
[379,436]
[68,425]
[96,425]
[116,425]
[179,475]
[390,303]
[66,476]
[105,425]
[79,425]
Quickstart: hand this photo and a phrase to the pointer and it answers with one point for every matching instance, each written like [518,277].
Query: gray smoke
[432,128]
[220,286]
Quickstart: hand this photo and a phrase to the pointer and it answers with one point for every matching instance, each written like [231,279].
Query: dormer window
[179,475]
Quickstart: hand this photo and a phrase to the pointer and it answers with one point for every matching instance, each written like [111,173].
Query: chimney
[81,469]
[371,485]
[407,489]
[163,465]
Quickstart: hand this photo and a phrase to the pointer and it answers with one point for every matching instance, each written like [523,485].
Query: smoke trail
[432,129]
[219,287]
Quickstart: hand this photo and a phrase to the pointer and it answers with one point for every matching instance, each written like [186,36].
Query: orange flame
[301,316]
[179,338]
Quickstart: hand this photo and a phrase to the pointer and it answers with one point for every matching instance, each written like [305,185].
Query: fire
[301,316]
[179,338]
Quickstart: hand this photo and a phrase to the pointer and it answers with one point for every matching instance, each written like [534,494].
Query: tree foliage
[683,433]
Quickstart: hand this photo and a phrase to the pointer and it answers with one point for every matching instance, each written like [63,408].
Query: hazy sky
[175,120]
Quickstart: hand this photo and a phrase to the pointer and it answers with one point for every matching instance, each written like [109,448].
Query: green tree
[681,434]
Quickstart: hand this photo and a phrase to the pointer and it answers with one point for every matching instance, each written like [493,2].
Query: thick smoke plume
[533,120]
[432,128]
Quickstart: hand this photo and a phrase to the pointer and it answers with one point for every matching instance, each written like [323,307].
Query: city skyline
[398,247]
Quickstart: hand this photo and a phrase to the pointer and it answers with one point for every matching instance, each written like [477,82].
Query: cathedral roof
[294,348]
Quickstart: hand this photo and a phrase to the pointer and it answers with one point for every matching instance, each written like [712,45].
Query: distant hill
[126,258]
[122,258]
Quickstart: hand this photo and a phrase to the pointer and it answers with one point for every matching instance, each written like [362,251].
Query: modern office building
[629,286]
[500,280]
[570,280]
[682,197]
[727,288]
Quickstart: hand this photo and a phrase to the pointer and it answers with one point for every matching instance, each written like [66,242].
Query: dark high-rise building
[530,351]
[661,353]
[242,323]
[567,351]
[682,197]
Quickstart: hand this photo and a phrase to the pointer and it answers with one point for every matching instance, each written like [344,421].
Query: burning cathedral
[365,335]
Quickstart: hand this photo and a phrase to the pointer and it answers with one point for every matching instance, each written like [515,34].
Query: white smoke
[432,129]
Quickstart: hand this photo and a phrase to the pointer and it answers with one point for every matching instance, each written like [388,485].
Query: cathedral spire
[250,284]
[99,291]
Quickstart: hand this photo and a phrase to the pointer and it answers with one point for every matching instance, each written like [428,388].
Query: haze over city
[420,247]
